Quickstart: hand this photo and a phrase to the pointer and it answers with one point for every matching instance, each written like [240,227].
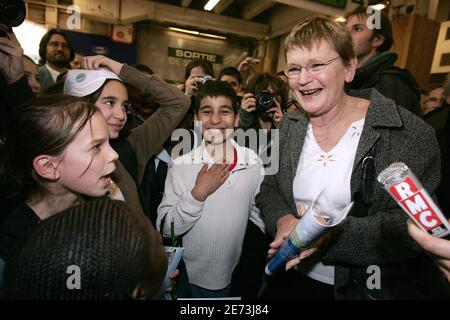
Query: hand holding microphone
[438,248]
[408,192]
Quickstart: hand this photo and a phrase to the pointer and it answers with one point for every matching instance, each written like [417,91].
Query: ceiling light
[378,7]
[211,4]
[197,33]
[184,31]
[212,36]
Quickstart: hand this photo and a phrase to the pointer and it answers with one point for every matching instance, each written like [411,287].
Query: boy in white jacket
[210,195]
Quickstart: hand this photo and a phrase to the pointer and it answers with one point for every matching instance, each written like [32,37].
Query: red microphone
[408,192]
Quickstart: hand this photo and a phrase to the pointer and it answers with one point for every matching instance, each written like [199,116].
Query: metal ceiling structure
[243,18]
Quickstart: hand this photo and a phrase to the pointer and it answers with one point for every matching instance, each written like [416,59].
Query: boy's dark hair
[215,88]
[232,72]
[44,41]
[385,29]
[107,241]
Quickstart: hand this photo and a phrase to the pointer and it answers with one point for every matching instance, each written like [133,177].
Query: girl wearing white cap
[107,91]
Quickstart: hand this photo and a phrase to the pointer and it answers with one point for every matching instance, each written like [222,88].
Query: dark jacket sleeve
[148,138]
[18,92]
[11,96]
[157,259]
[247,119]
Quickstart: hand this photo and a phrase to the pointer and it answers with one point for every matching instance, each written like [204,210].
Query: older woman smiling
[338,142]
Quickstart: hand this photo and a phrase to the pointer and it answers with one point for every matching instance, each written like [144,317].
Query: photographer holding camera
[246,67]
[262,106]
[198,71]
[14,88]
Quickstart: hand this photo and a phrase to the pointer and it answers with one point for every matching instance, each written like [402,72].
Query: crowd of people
[92,176]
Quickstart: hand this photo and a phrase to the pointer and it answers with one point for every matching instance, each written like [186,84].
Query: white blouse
[331,170]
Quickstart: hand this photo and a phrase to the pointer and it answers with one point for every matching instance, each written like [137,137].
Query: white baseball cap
[81,83]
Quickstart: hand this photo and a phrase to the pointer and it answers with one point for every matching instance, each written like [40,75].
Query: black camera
[264,100]
[12,13]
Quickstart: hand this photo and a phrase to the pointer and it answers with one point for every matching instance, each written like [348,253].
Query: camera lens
[12,12]
[264,100]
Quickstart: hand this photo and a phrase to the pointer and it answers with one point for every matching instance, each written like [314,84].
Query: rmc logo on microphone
[419,206]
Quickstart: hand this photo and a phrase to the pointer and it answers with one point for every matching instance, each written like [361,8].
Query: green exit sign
[334,3]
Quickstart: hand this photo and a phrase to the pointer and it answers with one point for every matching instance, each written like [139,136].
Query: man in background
[375,67]
[56,53]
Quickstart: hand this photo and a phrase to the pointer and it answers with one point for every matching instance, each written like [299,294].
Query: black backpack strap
[368,177]
[363,198]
